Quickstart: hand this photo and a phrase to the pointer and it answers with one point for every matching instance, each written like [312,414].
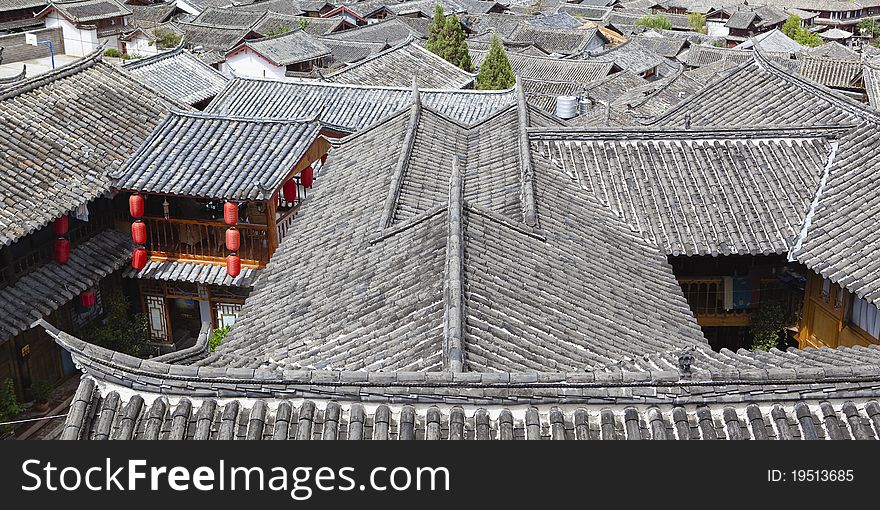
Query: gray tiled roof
[502,24]
[559,20]
[668,47]
[551,69]
[244,158]
[210,37]
[55,157]
[871,74]
[392,31]
[839,239]
[101,413]
[831,72]
[152,14]
[772,41]
[379,283]
[398,66]
[635,57]
[759,92]
[46,289]
[346,52]
[565,41]
[586,12]
[12,5]
[91,10]
[178,74]
[835,50]
[193,272]
[627,17]
[288,48]
[699,193]
[349,108]
[655,98]
[274,22]
[289,7]
[229,18]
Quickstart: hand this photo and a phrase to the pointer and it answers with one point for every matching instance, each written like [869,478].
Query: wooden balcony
[706,299]
[204,240]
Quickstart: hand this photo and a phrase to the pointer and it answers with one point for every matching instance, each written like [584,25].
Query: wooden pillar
[272,226]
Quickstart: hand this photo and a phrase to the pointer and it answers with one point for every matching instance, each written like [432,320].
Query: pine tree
[446,39]
[495,73]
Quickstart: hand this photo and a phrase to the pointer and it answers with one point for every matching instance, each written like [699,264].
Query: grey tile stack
[91,10]
[839,240]
[700,192]
[203,155]
[760,92]
[105,415]
[552,69]
[46,289]
[62,132]
[178,74]
[562,296]
[399,65]
[349,108]
[288,48]
[206,274]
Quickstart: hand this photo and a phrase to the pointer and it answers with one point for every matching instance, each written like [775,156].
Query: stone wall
[16,50]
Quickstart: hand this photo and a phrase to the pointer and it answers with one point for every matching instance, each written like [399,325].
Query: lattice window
[157,318]
[225,313]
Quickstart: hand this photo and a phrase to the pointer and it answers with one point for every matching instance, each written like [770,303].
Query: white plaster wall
[77,43]
[717,29]
[141,46]
[249,64]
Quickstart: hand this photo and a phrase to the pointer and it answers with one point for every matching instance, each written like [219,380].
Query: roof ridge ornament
[406,149]
[453,282]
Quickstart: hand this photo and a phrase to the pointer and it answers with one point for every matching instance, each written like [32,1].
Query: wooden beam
[272,225]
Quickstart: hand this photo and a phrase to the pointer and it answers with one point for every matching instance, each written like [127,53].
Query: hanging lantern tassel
[87,298]
[139,232]
[308,175]
[290,191]
[230,213]
[136,205]
[139,258]
[60,226]
[233,239]
[233,265]
[62,251]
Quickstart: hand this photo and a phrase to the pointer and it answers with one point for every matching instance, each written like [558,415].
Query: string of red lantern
[61,250]
[138,231]
[233,239]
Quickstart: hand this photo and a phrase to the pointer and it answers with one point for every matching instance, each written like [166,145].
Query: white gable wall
[141,45]
[78,43]
[248,63]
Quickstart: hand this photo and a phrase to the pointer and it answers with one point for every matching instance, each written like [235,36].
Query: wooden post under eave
[271,224]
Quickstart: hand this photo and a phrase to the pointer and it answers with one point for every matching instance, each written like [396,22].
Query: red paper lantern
[139,232]
[87,299]
[290,190]
[60,226]
[136,205]
[230,213]
[324,158]
[233,239]
[233,265]
[139,259]
[308,175]
[62,251]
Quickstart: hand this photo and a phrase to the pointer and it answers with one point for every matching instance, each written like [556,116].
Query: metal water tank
[566,107]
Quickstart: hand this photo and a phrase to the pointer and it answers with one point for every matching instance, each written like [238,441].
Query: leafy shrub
[166,38]
[9,406]
[121,331]
[42,391]
[112,52]
[217,337]
[660,22]
[767,326]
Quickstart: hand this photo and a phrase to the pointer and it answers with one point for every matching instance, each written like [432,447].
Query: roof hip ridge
[453,278]
[415,112]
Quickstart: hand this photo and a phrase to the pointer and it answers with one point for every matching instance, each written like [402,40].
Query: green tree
[768,325]
[495,73]
[122,331]
[869,27]
[792,28]
[697,22]
[166,38]
[659,21]
[446,39]
[279,30]
[303,23]
[9,406]
[217,337]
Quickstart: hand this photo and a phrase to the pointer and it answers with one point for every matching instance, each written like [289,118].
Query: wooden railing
[79,232]
[285,222]
[706,299]
[204,240]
